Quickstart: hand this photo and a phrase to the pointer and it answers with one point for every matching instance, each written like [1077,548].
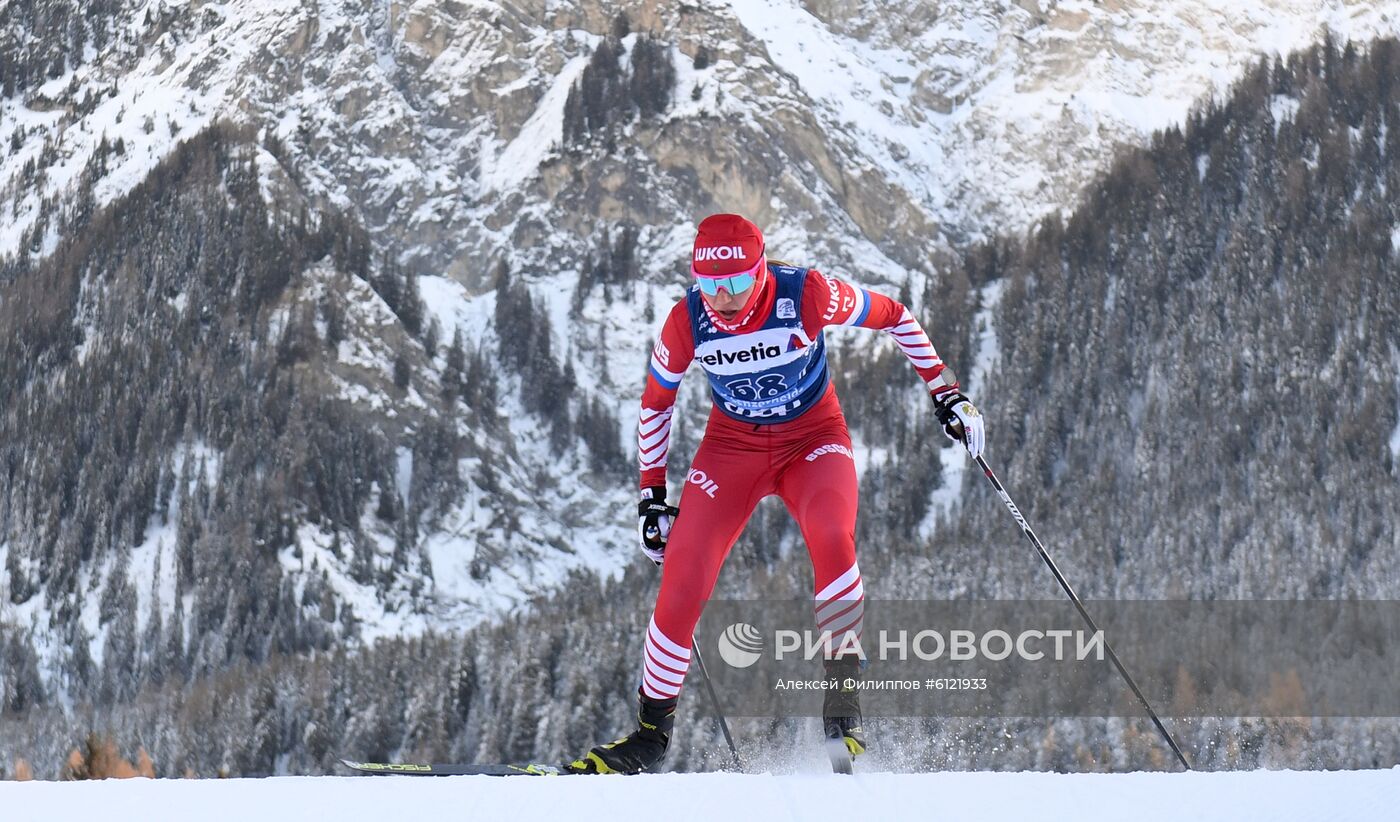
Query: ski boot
[641,750]
[845,738]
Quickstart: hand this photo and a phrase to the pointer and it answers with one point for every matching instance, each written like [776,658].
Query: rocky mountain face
[324,321]
[441,124]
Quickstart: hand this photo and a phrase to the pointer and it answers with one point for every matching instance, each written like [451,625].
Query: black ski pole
[1060,578]
[714,700]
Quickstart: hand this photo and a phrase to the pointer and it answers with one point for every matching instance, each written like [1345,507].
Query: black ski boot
[845,738]
[641,750]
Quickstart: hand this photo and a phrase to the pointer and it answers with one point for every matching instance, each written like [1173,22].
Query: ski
[840,756]
[415,769]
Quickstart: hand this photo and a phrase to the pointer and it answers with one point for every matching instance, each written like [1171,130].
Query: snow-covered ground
[1142,797]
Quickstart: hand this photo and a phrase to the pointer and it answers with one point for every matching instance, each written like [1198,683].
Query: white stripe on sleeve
[859,311]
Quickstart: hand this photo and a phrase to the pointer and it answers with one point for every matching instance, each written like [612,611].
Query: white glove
[654,522]
[962,422]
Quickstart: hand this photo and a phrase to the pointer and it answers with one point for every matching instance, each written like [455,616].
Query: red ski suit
[807,461]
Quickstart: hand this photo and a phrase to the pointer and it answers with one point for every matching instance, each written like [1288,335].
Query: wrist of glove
[962,422]
[654,522]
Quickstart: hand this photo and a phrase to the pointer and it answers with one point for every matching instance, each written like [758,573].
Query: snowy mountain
[866,138]
[441,124]
[495,159]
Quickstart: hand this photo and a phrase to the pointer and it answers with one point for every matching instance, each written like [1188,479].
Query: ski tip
[841,760]
[413,769]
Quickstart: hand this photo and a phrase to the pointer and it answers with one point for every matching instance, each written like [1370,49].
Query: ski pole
[1060,578]
[714,700]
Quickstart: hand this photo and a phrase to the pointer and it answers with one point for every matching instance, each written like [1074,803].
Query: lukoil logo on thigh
[700,478]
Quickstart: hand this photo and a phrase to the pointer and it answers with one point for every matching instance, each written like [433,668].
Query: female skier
[755,327]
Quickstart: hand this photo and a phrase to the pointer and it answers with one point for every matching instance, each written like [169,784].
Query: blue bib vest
[770,375]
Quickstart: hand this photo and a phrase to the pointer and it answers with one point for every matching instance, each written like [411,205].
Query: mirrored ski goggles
[735,284]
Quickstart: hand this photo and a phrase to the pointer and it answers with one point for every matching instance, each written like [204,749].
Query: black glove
[655,522]
[961,421]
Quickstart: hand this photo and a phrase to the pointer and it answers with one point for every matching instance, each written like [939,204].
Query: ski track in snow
[1277,796]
